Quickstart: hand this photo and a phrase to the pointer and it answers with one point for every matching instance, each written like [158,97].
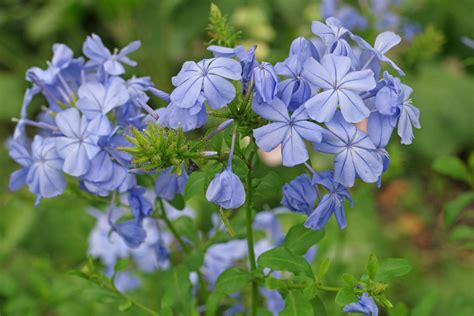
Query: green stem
[328,288]
[170,226]
[143,307]
[253,265]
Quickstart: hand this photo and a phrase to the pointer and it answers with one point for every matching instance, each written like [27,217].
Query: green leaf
[194,185]
[310,291]
[299,239]
[230,281]
[194,260]
[372,266]
[178,290]
[121,264]
[345,296]
[323,268]
[452,167]
[349,279]
[125,305]
[178,202]
[282,259]
[272,283]
[297,305]
[318,307]
[391,268]
[456,206]
[184,225]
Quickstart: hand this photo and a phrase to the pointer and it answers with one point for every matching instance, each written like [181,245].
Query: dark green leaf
[452,167]
[194,260]
[195,185]
[455,207]
[178,290]
[310,291]
[345,296]
[391,268]
[297,305]
[318,307]
[121,264]
[178,202]
[272,283]
[185,227]
[282,259]
[299,238]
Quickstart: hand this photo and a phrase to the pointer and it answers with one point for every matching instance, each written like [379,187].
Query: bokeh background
[424,212]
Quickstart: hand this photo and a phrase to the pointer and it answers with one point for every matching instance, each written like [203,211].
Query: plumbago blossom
[99,130]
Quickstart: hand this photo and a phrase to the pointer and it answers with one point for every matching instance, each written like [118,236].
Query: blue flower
[265,81]
[340,88]
[131,231]
[299,195]
[468,42]
[354,152]
[364,305]
[116,179]
[246,58]
[207,77]
[139,204]
[19,152]
[304,49]
[78,145]
[273,301]
[188,119]
[41,171]
[226,190]
[334,36]
[295,90]
[287,131]
[349,17]
[380,130]
[393,100]
[168,184]
[332,202]
[100,56]
[96,100]
[383,43]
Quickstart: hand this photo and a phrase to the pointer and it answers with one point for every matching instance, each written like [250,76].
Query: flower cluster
[97,132]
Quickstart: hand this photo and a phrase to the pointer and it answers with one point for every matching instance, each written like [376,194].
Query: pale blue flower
[300,194]
[334,36]
[207,77]
[274,302]
[288,131]
[100,56]
[265,81]
[188,119]
[78,145]
[294,90]
[226,190]
[96,100]
[383,43]
[139,204]
[131,231]
[340,88]
[365,305]
[168,184]
[330,203]
[354,152]
[42,169]
[20,153]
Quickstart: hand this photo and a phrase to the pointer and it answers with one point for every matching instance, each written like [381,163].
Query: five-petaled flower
[289,131]
[340,88]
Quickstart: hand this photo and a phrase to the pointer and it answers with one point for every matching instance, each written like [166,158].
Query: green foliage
[299,239]
[221,32]
[453,167]
[297,305]
[282,259]
[230,281]
[425,46]
[391,268]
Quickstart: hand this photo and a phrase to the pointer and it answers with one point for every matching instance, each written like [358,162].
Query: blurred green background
[424,212]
